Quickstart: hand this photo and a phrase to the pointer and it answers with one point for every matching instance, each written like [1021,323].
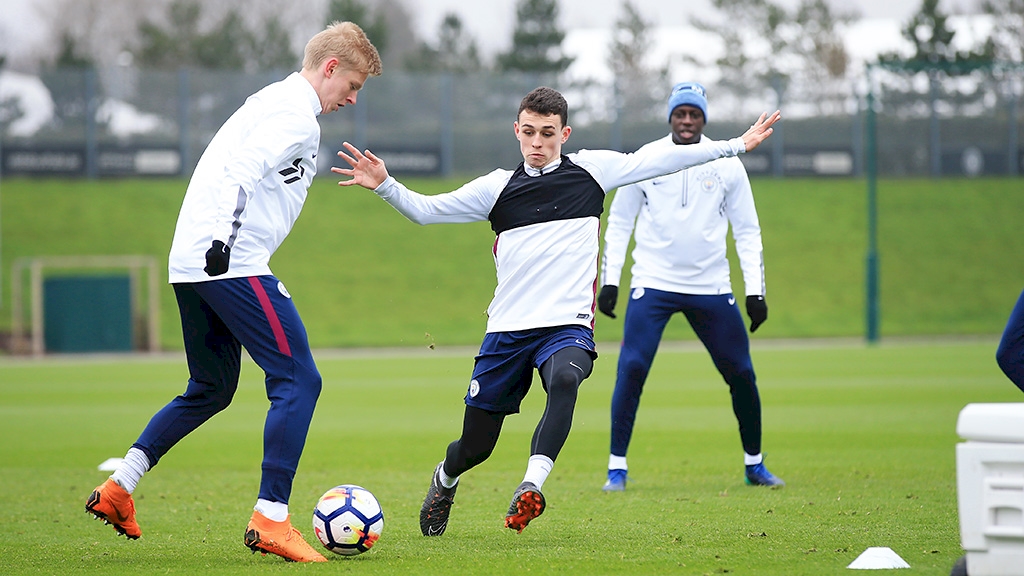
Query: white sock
[276,511]
[538,469]
[751,460]
[617,462]
[446,480]
[130,471]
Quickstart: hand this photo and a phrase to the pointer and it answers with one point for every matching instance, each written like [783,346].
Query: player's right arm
[471,202]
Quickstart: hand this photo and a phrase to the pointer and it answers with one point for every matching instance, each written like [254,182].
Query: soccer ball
[348,520]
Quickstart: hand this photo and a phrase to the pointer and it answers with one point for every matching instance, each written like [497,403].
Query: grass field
[863,435]
[362,275]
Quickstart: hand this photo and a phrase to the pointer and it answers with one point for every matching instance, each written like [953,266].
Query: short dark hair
[546,102]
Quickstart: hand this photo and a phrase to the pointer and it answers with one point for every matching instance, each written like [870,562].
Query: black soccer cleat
[436,506]
[527,504]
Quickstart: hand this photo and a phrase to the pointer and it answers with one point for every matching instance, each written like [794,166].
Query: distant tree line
[767,48]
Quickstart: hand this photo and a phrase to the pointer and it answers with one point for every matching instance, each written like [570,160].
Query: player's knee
[743,380]
[736,371]
[1007,356]
[313,380]
[207,396]
[567,377]
[634,368]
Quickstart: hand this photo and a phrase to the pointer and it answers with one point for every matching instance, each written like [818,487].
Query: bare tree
[754,34]
[1006,43]
[824,74]
[95,31]
[640,88]
[101,32]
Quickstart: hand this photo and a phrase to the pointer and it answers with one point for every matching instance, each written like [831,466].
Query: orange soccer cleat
[114,505]
[279,538]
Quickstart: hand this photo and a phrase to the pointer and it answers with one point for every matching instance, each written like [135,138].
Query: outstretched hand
[760,131]
[366,169]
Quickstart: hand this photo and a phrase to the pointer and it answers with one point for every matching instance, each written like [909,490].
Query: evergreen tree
[69,56]
[374,24]
[230,45]
[173,46]
[456,51]
[272,48]
[536,39]
[226,47]
[928,30]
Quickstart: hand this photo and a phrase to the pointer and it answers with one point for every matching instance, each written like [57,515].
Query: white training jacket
[547,272]
[681,224]
[250,183]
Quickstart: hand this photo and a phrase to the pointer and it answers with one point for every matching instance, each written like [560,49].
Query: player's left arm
[614,169]
[276,138]
[746,232]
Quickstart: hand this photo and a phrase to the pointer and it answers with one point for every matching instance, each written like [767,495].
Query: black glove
[217,258]
[757,311]
[606,299]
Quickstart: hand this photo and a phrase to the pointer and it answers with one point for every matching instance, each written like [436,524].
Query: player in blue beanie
[680,265]
[689,93]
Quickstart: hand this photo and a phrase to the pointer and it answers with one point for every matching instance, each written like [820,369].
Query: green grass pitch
[863,435]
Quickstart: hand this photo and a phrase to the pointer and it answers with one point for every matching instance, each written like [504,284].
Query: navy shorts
[504,368]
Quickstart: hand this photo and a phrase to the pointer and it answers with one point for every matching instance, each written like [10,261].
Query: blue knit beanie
[690,93]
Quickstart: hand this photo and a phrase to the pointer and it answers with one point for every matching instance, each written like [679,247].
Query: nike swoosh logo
[573,364]
[431,531]
[732,301]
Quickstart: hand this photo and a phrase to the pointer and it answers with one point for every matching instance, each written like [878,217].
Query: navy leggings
[717,321]
[1010,353]
[218,318]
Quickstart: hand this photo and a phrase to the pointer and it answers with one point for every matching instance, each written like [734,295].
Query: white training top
[547,271]
[250,183]
[681,229]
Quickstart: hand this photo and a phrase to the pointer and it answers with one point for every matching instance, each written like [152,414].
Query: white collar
[314,98]
[534,172]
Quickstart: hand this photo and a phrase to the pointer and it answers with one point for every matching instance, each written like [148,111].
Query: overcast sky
[490,21]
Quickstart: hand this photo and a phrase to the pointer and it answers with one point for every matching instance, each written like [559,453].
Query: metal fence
[126,121]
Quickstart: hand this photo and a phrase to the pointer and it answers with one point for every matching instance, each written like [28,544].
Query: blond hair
[348,43]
